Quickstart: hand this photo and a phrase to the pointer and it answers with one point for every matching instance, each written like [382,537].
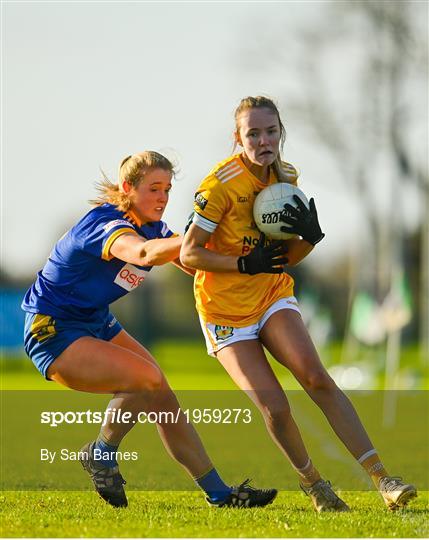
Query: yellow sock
[308,474]
[373,466]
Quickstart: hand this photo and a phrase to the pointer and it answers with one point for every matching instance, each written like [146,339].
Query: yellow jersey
[223,206]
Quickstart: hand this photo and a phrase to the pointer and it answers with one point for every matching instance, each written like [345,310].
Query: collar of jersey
[271,179]
[132,216]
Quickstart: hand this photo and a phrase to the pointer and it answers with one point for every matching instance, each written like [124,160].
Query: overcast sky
[86,83]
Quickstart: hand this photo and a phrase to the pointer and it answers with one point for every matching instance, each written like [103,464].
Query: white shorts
[218,336]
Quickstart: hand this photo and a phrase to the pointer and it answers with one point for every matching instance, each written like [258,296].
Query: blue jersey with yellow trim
[81,278]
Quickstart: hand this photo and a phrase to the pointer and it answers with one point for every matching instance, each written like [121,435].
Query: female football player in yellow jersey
[245,301]
[74,340]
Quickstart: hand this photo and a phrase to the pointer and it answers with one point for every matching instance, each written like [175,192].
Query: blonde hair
[132,170]
[262,102]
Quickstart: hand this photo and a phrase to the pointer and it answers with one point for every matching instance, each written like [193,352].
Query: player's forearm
[160,251]
[203,259]
[189,271]
[297,250]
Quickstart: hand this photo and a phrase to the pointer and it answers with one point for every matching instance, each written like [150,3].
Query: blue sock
[214,486]
[104,453]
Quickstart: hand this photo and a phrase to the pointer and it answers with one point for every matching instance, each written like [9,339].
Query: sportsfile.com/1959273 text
[118,416]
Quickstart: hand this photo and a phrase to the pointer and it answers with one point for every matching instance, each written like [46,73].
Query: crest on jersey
[223,332]
[201,201]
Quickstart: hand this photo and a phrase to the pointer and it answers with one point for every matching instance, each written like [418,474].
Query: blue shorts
[45,338]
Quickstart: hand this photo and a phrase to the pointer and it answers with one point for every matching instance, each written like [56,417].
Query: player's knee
[276,414]
[319,380]
[149,379]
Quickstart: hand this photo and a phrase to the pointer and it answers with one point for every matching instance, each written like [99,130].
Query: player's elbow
[187,256]
[147,257]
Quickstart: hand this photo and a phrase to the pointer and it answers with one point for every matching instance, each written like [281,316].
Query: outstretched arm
[134,249]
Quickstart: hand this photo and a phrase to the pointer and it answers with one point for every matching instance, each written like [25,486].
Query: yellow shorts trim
[43,327]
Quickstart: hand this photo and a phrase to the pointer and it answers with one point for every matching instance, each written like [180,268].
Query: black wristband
[241,265]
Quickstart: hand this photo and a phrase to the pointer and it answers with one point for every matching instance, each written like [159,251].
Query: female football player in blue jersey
[245,301]
[73,339]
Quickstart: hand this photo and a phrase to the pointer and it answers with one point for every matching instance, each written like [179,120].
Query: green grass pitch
[42,512]
[185,514]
